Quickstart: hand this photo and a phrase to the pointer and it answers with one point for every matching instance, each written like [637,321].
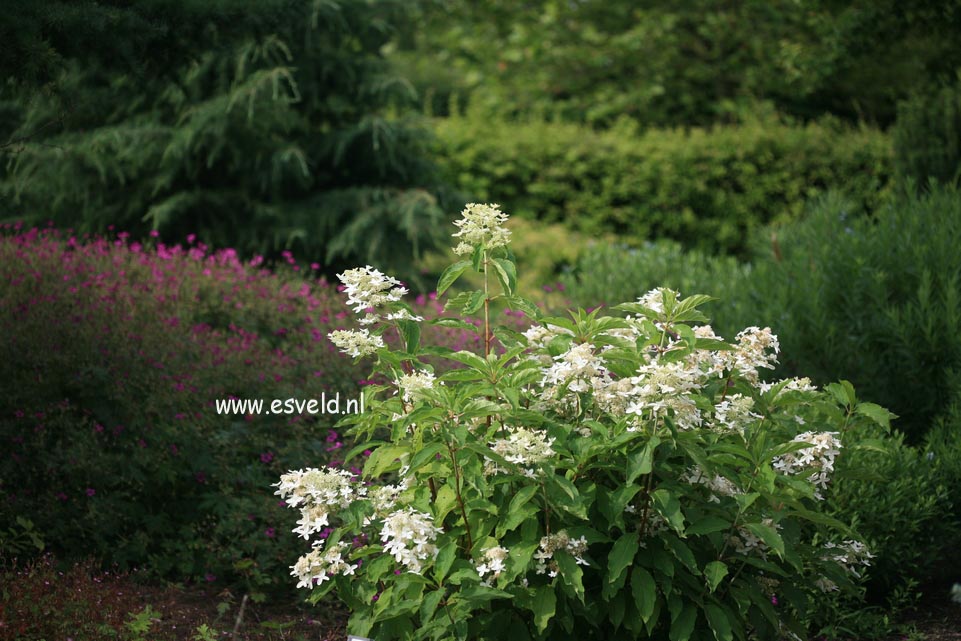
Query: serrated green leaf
[544,607]
[714,573]
[644,590]
[622,555]
[876,413]
[451,274]
[718,622]
[683,625]
[769,535]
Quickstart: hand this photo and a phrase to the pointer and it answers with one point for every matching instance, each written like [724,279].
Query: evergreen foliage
[266,126]
[927,137]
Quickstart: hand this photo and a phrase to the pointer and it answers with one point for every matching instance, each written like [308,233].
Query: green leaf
[644,590]
[429,605]
[426,455]
[718,622]
[876,413]
[451,274]
[641,462]
[445,557]
[769,535]
[622,555]
[571,572]
[506,274]
[714,572]
[708,525]
[544,607]
[669,507]
[683,625]
[411,332]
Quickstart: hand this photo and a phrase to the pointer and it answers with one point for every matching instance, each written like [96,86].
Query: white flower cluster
[384,497]
[849,554]
[755,348]
[316,492]
[554,542]
[717,484]
[817,458]
[661,386]
[367,287]
[793,385]
[734,412]
[494,562]
[524,447]
[414,385]
[481,225]
[356,343]
[316,566]
[409,536]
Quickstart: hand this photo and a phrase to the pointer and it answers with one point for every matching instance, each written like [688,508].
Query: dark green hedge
[704,188]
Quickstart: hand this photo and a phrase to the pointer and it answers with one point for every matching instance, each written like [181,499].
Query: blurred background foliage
[798,160]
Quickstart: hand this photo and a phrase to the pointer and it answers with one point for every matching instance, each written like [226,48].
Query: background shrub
[606,274]
[876,300]
[706,188]
[927,136]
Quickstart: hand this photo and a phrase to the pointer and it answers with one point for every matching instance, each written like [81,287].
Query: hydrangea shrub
[592,477]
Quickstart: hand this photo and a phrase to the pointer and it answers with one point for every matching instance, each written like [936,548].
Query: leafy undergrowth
[40,600]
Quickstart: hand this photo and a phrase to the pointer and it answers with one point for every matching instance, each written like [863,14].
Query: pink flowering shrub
[114,354]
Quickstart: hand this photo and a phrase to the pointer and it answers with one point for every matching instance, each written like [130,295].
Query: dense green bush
[604,274]
[927,137]
[704,188]
[876,300]
[899,499]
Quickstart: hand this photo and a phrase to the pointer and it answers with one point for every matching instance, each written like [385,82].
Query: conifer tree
[263,125]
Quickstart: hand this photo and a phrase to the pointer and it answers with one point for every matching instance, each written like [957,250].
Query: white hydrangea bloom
[316,566]
[734,412]
[662,386]
[793,384]
[554,542]
[494,562]
[317,492]
[356,343]
[414,385]
[384,497]
[849,554]
[577,370]
[527,448]
[717,484]
[367,287]
[817,460]
[409,536]
[755,348]
[481,225]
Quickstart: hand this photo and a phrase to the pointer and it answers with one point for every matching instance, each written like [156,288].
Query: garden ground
[81,604]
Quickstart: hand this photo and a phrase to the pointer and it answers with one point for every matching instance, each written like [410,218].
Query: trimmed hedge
[704,188]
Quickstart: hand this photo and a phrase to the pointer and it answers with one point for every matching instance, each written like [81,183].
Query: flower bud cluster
[481,225]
